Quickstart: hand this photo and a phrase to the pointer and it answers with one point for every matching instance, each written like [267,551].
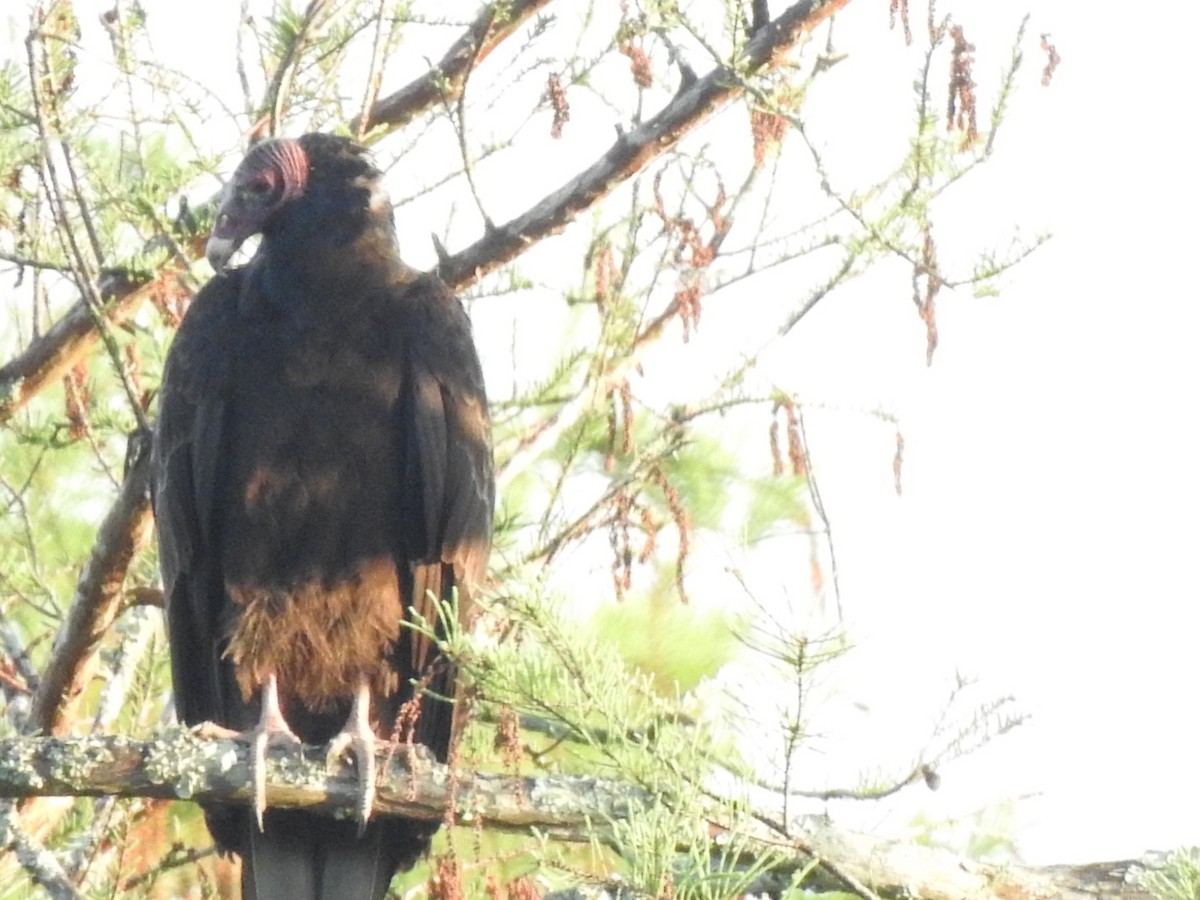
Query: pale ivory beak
[218,251]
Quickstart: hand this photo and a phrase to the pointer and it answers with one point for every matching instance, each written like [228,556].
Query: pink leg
[356,735]
[272,728]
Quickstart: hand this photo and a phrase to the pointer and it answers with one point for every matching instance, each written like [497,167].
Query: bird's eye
[258,187]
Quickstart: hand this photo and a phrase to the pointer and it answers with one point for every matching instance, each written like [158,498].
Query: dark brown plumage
[322,467]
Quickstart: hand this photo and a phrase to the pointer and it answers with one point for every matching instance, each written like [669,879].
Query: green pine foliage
[1178,878]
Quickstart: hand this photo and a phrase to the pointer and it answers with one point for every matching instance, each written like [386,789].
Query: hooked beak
[219,250]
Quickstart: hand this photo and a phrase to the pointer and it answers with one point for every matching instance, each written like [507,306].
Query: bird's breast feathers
[310,534]
[319,636]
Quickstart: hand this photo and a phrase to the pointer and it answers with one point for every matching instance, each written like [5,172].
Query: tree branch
[40,864]
[183,765]
[47,359]
[96,602]
[445,81]
[909,869]
[634,151]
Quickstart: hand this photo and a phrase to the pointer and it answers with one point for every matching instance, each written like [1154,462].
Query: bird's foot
[361,746]
[272,730]
[269,732]
[358,738]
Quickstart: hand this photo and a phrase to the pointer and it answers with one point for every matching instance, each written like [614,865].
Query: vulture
[323,483]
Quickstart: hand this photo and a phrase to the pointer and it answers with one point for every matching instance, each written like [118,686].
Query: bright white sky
[1046,539]
[1047,535]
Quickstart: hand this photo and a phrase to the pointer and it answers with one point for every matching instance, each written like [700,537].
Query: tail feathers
[300,856]
[279,865]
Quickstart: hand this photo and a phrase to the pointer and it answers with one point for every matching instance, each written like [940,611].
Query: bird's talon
[261,738]
[359,746]
[272,728]
[215,732]
[357,737]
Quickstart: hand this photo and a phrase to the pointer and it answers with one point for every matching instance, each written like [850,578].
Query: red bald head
[272,175]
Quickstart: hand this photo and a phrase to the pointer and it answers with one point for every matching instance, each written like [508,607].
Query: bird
[323,487]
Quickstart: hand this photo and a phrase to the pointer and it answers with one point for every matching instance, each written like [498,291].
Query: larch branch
[96,602]
[632,152]
[444,82]
[184,765]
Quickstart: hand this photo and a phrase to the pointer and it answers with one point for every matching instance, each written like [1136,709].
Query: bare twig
[177,857]
[815,493]
[375,70]
[459,122]
[281,82]
[82,268]
[243,79]
[23,261]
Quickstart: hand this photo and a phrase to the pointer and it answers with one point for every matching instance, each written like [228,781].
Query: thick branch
[96,602]
[182,765]
[908,869]
[50,357]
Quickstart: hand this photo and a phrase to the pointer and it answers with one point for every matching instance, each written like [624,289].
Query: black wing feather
[187,456]
[448,464]
[187,451]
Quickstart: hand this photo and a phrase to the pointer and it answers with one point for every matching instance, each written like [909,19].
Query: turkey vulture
[322,472]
